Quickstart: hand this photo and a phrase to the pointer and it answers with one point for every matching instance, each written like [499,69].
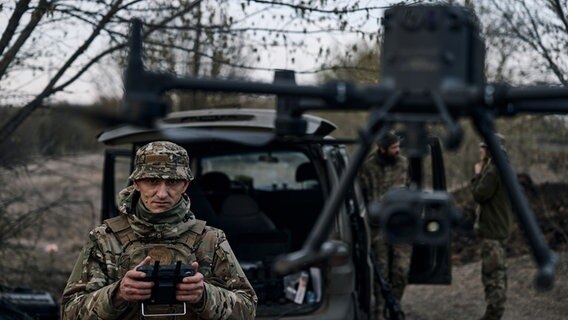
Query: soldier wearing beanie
[493,226]
[156,223]
[385,169]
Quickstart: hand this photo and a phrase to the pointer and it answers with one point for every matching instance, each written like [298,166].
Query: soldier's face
[392,151]
[159,195]
[483,154]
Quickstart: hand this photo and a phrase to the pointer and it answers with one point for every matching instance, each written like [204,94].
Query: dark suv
[266,194]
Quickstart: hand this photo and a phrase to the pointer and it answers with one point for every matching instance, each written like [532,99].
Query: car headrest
[215,182]
[239,205]
[306,171]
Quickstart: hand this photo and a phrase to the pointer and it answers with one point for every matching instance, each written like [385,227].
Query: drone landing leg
[544,257]
[312,247]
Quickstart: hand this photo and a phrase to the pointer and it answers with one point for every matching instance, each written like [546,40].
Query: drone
[432,61]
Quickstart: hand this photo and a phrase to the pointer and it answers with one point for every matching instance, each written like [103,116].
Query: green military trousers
[494,277]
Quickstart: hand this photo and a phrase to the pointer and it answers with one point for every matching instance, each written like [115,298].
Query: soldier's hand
[478,167]
[191,288]
[131,288]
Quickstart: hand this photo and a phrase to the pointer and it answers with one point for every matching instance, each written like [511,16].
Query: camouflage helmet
[162,160]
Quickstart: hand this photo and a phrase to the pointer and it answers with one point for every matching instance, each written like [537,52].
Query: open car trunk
[267,203]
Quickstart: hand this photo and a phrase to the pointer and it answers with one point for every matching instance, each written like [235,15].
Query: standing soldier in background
[384,169]
[156,224]
[493,226]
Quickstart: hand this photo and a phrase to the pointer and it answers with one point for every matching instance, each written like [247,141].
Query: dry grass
[50,202]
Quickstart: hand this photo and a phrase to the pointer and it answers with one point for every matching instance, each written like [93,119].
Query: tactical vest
[167,251]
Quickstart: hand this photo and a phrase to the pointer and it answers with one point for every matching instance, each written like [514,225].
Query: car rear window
[274,170]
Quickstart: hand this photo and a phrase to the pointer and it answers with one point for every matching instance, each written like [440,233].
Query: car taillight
[341,257]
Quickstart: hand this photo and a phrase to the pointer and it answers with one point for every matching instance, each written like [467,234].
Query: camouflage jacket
[377,177]
[121,243]
[494,217]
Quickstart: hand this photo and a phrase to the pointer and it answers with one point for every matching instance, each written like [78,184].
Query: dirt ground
[463,299]
[77,182]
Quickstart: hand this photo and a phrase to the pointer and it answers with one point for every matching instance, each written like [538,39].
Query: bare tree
[56,43]
[530,36]
[91,18]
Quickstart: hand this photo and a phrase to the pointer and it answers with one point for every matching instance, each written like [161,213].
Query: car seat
[216,186]
[306,172]
[241,214]
[200,205]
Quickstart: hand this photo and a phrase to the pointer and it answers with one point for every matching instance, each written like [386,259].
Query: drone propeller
[94,115]
[100,118]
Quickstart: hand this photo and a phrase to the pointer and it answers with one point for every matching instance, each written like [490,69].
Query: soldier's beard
[388,158]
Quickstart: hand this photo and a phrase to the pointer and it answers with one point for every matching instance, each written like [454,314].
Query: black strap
[393,309]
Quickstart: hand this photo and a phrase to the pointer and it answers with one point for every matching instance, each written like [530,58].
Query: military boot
[493,313]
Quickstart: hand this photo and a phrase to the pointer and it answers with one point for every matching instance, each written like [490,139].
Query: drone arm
[540,107]
[545,259]
[242,86]
[311,251]
[535,93]
[509,101]
[313,247]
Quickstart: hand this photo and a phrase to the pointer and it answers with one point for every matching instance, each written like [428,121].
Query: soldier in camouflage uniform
[493,226]
[155,223]
[383,170]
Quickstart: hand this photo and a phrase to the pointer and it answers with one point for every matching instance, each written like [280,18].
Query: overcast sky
[106,76]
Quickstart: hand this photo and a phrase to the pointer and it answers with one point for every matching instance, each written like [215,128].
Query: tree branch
[98,57]
[532,39]
[21,7]
[224,29]
[544,52]
[312,9]
[12,124]
[11,53]
[557,7]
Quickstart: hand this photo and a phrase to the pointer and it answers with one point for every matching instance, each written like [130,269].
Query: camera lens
[432,226]
[401,224]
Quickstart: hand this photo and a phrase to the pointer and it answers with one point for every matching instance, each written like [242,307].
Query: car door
[356,212]
[117,166]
